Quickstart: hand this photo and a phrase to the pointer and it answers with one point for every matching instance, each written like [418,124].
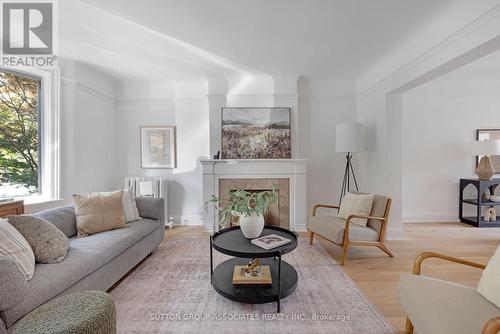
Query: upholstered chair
[435,306]
[343,233]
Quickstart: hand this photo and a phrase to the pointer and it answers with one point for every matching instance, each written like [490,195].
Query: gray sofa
[95,262]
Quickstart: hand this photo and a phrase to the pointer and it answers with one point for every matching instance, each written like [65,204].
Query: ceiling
[313,38]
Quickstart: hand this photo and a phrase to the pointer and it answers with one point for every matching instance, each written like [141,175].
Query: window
[20,130]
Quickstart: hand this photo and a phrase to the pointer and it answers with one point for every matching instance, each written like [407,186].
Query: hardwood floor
[377,275]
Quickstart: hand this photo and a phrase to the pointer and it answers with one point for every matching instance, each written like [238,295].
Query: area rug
[170,292]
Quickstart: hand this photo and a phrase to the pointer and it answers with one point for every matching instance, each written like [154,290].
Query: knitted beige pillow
[356,204]
[99,212]
[48,243]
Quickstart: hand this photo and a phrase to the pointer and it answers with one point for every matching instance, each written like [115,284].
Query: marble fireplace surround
[292,170]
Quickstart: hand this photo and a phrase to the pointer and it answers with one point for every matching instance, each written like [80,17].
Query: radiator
[144,186]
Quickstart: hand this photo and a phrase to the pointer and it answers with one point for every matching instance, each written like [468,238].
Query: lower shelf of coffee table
[222,281]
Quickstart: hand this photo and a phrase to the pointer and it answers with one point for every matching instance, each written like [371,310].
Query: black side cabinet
[481,186]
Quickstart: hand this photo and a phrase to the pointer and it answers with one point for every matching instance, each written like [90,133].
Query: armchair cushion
[438,307]
[356,204]
[378,210]
[333,228]
[489,284]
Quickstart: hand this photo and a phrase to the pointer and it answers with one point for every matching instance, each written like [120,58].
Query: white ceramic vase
[252,225]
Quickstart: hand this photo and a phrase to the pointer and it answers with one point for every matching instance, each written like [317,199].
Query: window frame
[48,132]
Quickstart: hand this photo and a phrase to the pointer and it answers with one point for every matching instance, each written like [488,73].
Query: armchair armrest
[365,217]
[417,266]
[150,207]
[324,206]
[492,326]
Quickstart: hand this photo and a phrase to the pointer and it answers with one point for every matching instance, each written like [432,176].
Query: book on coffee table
[270,241]
[241,277]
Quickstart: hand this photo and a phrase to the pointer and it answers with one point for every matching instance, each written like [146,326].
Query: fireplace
[290,175]
[279,213]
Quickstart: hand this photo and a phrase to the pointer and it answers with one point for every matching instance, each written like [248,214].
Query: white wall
[88,140]
[439,124]
[186,107]
[323,104]
[456,38]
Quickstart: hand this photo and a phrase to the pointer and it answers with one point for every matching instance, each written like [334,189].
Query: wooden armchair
[344,233]
[438,306]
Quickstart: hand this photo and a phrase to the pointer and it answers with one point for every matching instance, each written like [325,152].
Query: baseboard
[430,217]
[188,220]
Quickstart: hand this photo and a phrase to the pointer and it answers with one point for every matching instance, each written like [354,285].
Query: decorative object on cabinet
[489,135]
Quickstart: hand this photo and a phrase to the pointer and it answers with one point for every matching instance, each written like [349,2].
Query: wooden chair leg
[408,326]
[384,248]
[344,254]
[311,237]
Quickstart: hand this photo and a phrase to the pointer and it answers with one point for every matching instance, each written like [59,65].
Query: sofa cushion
[332,228]
[356,204]
[48,243]
[99,212]
[86,254]
[438,307]
[12,284]
[15,247]
[63,218]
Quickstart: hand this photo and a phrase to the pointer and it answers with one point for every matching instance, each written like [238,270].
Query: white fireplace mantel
[293,169]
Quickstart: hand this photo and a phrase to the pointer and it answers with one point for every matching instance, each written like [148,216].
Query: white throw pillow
[356,204]
[489,284]
[15,247]
[129,206]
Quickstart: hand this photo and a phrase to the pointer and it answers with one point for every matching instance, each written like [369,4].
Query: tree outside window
[19,135]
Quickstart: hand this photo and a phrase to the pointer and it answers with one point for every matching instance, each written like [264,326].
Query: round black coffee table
[231,241]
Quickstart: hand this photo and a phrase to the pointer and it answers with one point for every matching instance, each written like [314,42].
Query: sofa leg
[344,255]
[384,248]
[408,326]
[311,237]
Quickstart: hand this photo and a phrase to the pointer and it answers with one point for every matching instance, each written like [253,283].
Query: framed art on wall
[158,147]
[256,133]
[489,134]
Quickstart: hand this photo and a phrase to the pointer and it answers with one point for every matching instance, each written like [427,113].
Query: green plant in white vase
[249,206]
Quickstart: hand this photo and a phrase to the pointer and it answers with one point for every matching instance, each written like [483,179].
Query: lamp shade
[487,147]
[349,137]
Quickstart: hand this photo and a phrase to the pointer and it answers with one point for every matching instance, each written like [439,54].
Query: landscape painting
[256,133]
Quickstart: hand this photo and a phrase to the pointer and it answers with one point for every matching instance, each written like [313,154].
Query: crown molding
[88,89]
[433,51]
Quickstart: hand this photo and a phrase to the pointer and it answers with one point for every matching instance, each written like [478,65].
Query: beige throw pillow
[99,212]
[48,243]
[15,247]
[356,204]
[489,284]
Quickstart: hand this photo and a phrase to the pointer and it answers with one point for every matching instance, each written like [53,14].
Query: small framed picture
[158,147]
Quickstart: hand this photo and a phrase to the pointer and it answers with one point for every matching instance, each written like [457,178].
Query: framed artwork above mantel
[158,147]
[256,133]
[489,134]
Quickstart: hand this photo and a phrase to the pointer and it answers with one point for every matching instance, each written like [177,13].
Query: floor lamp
[348,140]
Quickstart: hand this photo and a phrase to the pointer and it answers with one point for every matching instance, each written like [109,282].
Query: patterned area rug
[170,292]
